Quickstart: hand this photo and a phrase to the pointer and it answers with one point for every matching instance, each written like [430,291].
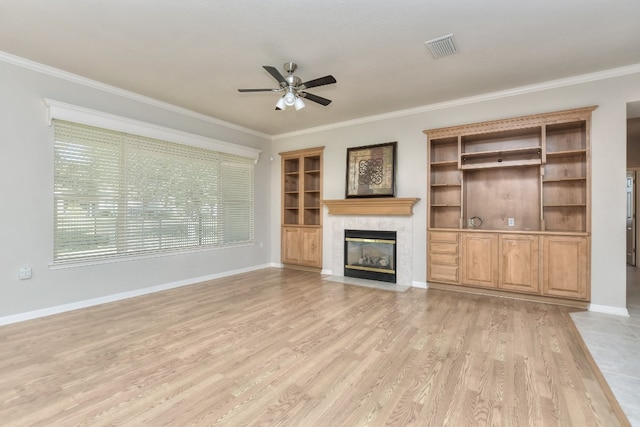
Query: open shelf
[564,168]
[312,163]
[312,216]
[444,151]
[502,153]
[534,169]
[567,153]
[524,156]
[565,218]
[499,163]
[311,181]
[445,216]
[565,180]
[566,137]
[445,163]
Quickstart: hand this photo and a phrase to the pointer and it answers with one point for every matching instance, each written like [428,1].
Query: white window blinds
[118,194]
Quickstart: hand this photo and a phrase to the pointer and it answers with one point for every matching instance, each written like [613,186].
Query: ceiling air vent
[442,46]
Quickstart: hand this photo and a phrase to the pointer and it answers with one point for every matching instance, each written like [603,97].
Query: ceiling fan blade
[316,98]
[258,90]
[275,73]
[326,80]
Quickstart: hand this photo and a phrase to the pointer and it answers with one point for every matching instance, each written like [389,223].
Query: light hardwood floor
[283,347]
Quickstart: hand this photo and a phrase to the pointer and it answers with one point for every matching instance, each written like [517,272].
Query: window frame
[108,122]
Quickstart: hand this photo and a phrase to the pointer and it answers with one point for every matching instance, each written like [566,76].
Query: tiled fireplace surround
[388,214]
[402,225]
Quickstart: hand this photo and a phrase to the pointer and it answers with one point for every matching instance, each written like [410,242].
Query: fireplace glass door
[370,254]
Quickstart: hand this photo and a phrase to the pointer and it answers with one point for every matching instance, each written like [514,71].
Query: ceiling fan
[293,88]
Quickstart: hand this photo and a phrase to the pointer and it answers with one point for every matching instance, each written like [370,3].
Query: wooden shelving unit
[525,176]
[302,208]
[445,184]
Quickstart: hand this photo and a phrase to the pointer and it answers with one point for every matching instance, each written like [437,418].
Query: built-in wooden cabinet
[519,263]
[565,178]
[501,261]
[302,246]
[566,266]
[512,189]
[480,259]
[445,183]
[444,257]
[301,243]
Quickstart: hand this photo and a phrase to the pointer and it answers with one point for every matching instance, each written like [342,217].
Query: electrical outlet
[24,273]
[511,222]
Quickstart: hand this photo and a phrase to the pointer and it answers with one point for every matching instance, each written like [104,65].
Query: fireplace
[370,254]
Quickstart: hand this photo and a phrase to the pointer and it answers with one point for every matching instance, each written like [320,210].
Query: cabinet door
[291,249]
[302,246]
[480,259]
[565,267]
[519,263]
[311,247]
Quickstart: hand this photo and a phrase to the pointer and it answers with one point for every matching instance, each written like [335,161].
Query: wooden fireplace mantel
[372,206]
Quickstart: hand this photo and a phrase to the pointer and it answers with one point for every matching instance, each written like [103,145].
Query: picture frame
[371,170]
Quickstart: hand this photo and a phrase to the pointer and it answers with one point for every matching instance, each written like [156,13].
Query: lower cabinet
[480,259]
[302,246]
[537,264]
[565,267]
[519,263]
[444,255]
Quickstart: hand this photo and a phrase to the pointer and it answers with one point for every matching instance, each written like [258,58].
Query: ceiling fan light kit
[290,99]
[299,104]
[294,88]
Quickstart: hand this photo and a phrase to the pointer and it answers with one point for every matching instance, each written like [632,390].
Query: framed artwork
[371,170]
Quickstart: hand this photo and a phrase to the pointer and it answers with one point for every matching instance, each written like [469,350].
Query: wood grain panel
[565,266]
[480,259]
[519,263]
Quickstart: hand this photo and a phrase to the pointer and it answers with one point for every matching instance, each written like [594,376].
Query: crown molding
[538,87]
[74,78]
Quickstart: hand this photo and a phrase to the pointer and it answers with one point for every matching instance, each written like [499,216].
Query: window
[119,194]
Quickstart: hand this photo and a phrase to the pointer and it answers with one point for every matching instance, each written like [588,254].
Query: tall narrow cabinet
[516,194]
[301,243]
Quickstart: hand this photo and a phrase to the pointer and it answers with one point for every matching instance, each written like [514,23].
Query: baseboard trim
[510,295]
[421,285]
[607,309]
[50,311]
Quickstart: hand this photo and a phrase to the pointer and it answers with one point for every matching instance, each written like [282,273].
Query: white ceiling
[196,53]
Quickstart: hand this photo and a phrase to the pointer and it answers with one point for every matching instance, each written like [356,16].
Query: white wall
[26,174]
[26,224]
[608,278]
